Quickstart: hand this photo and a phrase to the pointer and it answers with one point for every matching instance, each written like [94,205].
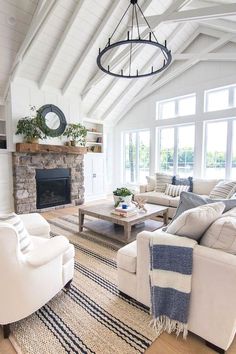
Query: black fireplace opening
[53,187]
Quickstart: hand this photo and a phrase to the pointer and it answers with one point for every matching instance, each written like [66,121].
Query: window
[177,150]
[176,107]
[136,156]
[216,149]
[220,98]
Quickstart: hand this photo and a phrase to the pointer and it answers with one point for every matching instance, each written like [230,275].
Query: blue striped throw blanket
[170,281]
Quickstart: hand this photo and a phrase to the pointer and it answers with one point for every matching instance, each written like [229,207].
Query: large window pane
[187,106]
[167,150]
[144,155]
[185,150]
[216,144]
[233,170]
[167,109]
[130,157]
[217,100]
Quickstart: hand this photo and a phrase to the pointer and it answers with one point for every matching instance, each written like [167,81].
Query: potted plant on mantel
[29,127]
[76,133]
[122,195]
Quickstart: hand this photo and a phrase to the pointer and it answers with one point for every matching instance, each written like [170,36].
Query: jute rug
[92,317]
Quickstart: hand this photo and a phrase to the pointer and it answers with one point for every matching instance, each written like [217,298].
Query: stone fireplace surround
[24,181]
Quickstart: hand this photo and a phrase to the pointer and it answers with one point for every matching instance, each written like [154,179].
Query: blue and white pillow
[23,235]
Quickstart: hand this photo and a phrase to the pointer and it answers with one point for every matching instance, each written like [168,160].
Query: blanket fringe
[165,324]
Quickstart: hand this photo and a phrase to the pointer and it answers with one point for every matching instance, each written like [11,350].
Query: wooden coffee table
[118,227]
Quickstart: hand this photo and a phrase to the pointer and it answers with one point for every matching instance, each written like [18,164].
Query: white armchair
[30,280]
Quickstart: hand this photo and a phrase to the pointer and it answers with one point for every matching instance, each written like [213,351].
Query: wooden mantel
[56,149]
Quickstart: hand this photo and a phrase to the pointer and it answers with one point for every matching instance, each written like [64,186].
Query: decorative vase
[32,141]
[119,199]
[68,143]
[73,143]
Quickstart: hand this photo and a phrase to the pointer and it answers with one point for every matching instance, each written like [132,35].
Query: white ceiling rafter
[91,44]
[222,25]
[178,4]
[43,11]
[200,14]
[60,44]
[208,56]
[178,71]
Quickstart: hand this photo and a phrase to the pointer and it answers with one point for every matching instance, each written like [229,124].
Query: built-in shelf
[95,136]
[3,136]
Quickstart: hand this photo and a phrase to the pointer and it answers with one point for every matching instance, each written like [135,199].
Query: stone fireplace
[61,176]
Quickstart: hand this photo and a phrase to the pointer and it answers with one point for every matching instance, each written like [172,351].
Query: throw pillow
[162,179]
[223,190]
[221,235]
[151,183]
[174,191]
[191,200]
[183,181]
[23,235]
[194,222]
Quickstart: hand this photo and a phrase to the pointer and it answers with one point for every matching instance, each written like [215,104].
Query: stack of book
[126,213]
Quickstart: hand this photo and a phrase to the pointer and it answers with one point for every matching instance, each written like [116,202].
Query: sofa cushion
[23,235]
[174,191]
[151,183]
[191,200]
[221,235]
[155,198]
[35,224]
[223,190]
[162,179]
[127,257]
[204,186]
[177,181]
[174,202]
[194,222]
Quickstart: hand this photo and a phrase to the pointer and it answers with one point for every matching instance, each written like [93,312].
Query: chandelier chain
[119,24]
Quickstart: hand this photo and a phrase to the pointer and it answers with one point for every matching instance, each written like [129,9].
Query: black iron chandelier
[134,41]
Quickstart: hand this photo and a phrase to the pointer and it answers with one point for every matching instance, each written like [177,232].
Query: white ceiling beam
[42,12]
[175,73]
[205,13]
[178,4]
[100,74]
[147,66]
[90,46]
[60,44]
[222,25]
[208,56]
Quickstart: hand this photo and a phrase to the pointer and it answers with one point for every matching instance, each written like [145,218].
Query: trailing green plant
[122,192]
[29,126]
[76,133]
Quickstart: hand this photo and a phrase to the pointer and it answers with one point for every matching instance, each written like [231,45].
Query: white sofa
[200,186]
[213,299]
[30,280]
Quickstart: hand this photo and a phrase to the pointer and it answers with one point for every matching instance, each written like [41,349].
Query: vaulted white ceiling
[55,43]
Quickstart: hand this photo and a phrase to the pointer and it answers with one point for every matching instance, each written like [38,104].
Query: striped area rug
[92,317]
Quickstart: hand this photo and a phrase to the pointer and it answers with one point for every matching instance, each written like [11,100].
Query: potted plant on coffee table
[76,133]
[123,194]
[28,127]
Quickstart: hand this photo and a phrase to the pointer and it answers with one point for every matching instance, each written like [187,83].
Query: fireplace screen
[53,187]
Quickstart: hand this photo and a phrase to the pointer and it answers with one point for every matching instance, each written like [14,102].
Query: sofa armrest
[36,225]
[143,188]
[212,313]
[47,251]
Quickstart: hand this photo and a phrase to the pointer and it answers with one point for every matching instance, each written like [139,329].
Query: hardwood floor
[165,344]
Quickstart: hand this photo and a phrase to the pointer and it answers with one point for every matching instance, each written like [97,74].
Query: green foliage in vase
[76,132]
[29,126]
[122,192]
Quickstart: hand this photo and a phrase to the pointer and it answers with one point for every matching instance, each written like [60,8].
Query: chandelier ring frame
[162,48]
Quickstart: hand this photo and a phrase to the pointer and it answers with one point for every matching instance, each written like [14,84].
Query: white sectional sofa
[200,186]
[213,299]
